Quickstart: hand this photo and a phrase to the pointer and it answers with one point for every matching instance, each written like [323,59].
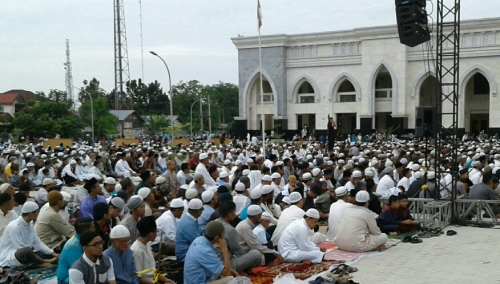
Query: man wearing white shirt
[289,215]
[240,199]
[167,224]
[276,184]
[7,215]
[295,245]
[386,182]
[336,211]
[202,169]
[355,176]
[122,169]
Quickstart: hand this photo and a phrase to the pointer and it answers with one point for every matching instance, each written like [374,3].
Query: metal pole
[170,95]
[209,118]
[201,116]
[262,101]
[91,110]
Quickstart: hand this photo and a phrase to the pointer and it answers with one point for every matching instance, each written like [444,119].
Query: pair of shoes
[415,240]
[451,233]
[321,280]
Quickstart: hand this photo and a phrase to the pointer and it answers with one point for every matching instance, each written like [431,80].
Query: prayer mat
[41,273]
[173,270]
[404,235]
[301,271]
[341,255]
[261,279]
[328,246]
[392,242]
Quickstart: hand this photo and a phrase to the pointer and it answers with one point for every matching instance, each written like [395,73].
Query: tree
[156,123]
[104,122]
[60,97]
[46,119]
[148,99]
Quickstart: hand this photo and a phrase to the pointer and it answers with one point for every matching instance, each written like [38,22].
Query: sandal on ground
[415,240]
[407,239]
[424,235]
[451,233]
[343,267]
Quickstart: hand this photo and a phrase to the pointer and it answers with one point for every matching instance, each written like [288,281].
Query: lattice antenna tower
[69,76]
[142,44]
[122,71]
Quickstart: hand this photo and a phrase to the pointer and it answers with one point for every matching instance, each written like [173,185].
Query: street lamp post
[91,111]
[198,100]
[170,94]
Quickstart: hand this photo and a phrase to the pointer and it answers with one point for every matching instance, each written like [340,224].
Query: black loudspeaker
[412,22]
[424,121]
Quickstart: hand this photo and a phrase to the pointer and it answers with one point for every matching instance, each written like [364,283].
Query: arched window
[480,85]
[346,92]
[383,85]
[268,91]
[305,94]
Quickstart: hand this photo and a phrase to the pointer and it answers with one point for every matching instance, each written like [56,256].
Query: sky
[193,36]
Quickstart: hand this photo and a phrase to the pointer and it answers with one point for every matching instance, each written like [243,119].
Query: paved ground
[471,256]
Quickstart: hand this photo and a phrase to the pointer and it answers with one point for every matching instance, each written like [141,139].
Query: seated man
[484,191]
[210,200]
[121,256]
[358,231]
[247,239]
[72,250]
[19,242]
[167,224]
[137,209]
[92,267]
[143,256]
[240,261]
[7,215]
[204,269]
[51,228]
[41,196]
[95,191]
[337,210]
[102,222]
[294,244]
[188,229]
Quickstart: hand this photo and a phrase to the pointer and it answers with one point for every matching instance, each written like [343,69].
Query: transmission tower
[122,72]
[142,45]
[69,76]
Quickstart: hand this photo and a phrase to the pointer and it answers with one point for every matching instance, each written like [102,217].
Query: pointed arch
[339,80]
[253,77]
[483,71]
[373,78]
[292,94]
[418,83]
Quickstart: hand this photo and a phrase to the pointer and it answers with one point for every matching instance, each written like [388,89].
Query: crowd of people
[219,210]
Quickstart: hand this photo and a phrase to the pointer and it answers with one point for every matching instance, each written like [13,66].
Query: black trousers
[69,179]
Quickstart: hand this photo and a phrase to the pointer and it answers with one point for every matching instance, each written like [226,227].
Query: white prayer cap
[249,161]
[362,196]
[46,181]
[117,202]
[30,165]
[4,187]
[144,192]
[295,197]
[475,164]
[329,163]
[118,232]
[388,163]
[356,174]
[266,189]
[110,180]
[309,157]
[207,196]
[369,173]
[203,156]
[239,187]
[266,216]
[29,206]
[306,176]
[223,175]
[66,196]
[279,163]
[118,187]
[134,202]
[254,210]
[417,175]
[340,161]
[43,156]
[238,162]
[311,165]
[227,162]
[160,180]
[312,213]
[341,191]
[431,175]
[316,171]
[341,155]
[286,200]
[176,203]
[191,193]
[245,172]
[267,178]
[195,204]
[256,193]
[275,175]
[403,161]
[72,162]
[415,167]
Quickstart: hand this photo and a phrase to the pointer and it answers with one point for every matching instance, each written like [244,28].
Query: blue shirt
[124,266]
[205,217]
[198,269]
[87,205]
[187,231]
[70,253]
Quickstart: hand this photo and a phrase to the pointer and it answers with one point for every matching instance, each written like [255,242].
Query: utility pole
[201,114]
[209,118]
[69,77]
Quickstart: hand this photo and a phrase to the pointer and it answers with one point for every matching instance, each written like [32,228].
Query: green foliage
[156,123]
[104,122]
[148,99]
[46,119]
